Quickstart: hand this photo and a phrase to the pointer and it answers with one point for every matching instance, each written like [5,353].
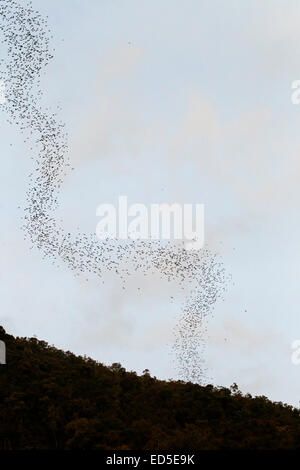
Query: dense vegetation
[50,399]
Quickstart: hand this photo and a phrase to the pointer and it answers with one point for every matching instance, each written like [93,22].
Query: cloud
[235,334]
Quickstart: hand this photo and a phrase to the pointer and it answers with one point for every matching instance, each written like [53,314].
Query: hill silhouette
[51,399]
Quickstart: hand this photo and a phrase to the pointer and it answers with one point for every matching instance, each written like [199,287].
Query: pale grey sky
[170,101]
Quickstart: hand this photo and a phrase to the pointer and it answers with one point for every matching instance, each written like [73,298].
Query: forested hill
[50,399]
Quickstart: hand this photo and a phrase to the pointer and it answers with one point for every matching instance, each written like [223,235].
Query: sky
[170,101]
